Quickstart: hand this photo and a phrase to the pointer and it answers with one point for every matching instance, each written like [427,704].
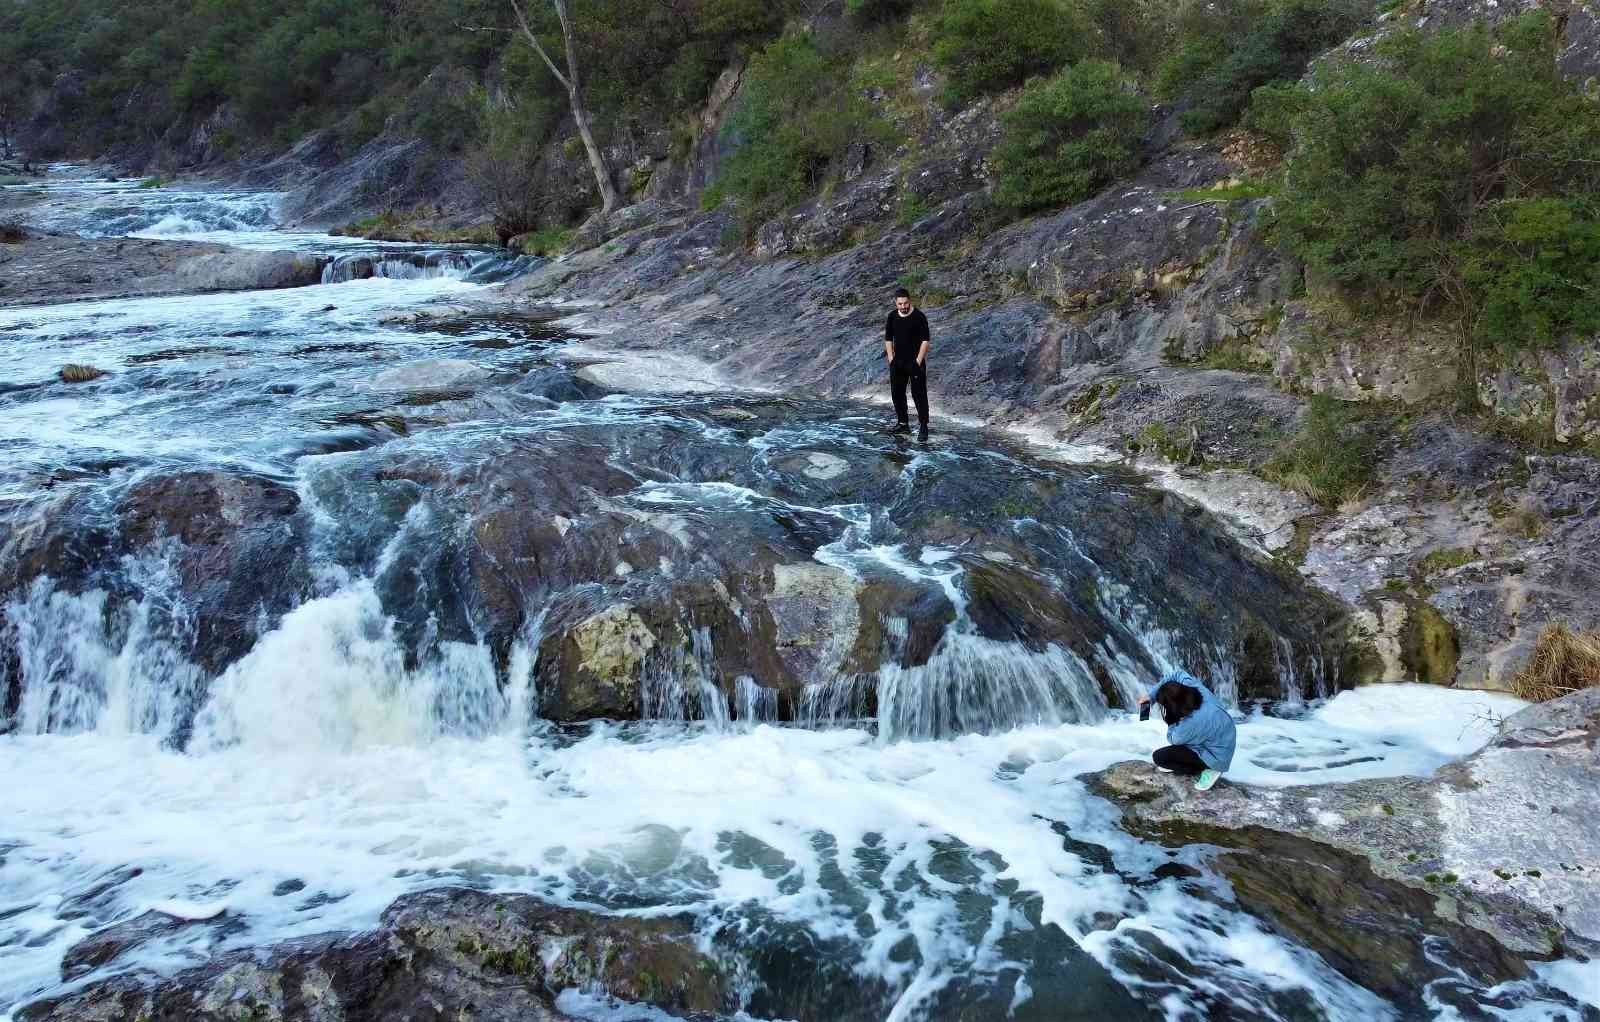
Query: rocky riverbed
[475,636]
[39,268]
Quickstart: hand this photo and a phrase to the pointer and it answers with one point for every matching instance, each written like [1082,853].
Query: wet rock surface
[1399,882]
[440,954]
[660,576]
[53,268]
[219,558]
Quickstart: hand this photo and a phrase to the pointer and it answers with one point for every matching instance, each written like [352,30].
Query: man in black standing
[905,345]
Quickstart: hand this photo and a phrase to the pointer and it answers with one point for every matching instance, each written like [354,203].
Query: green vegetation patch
[1454,173]
[985,46]
[795,118]
[1443,560]
[1331,458]
[1069,136]
[1226,49]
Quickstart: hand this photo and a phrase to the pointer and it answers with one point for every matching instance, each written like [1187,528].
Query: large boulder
[236,543]
[246,270]
[447,953]
[1399,881]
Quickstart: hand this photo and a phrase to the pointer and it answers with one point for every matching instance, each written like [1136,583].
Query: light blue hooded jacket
[1209,730]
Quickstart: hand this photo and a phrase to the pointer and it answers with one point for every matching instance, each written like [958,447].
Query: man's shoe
[1207,778]
[904,427]
[922,434]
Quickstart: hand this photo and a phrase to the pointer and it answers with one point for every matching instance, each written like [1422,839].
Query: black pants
[1180,759]
[917,376]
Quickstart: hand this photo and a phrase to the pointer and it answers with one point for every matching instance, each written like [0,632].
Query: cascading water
[312,675]
[450,264]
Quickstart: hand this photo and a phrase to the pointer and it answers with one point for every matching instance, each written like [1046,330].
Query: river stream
[895,831]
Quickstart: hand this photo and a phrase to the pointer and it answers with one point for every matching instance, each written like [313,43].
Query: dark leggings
[1180,759]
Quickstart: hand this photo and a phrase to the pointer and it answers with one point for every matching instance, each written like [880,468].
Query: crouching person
[1200,730]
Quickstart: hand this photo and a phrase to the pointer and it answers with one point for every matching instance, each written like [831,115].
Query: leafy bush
[1230,48]
[1068,136]
[1534,268]
[1330,459]
[795,117]
[1456,172]
[1135,33]
[874,11]
[989,45]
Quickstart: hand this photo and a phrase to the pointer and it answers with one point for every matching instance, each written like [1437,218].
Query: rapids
[891,828]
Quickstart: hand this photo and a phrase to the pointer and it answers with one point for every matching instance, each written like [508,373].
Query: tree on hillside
[573,84]
[7,121]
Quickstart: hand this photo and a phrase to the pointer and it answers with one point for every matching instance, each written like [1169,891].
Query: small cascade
[497,269]
[680,684]
[453,264]
[91,662]
[754,703]
[167,213]
[978,685]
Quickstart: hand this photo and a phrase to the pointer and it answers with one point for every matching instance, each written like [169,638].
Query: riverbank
[1413,887]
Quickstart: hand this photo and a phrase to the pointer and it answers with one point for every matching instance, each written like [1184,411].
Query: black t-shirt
[907,333]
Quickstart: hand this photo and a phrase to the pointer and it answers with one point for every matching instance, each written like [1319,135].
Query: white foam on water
[320,761]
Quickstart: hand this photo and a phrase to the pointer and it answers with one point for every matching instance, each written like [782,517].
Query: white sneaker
[1206,779]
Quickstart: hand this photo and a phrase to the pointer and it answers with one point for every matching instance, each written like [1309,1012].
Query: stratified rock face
[817,618]
[1494,854]
[442,954]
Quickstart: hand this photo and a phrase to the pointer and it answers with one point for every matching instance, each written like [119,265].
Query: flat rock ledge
[1489,864]
[450,953]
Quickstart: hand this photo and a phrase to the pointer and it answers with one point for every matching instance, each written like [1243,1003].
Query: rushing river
[901,820]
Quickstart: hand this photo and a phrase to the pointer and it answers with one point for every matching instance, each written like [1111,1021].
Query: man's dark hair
[1177,701]
[902,293]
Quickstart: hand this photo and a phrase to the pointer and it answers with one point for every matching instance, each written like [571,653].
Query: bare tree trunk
[609,199]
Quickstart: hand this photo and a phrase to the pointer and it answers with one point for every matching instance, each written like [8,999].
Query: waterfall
[454,264]
[680,684]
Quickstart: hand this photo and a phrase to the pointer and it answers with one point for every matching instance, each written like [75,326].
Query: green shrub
[1273,111]
[1534,268]
[1455,172]
[876,11]
[1330,459]
[988,45]
[1068,136]
[1137,34]
[1230,48]
[796,115]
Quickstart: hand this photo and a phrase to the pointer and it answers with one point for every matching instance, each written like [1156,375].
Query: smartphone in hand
[1144,712]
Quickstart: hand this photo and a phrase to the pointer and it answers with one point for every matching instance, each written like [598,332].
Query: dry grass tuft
[80,373]
[12,232]
[1564,661]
